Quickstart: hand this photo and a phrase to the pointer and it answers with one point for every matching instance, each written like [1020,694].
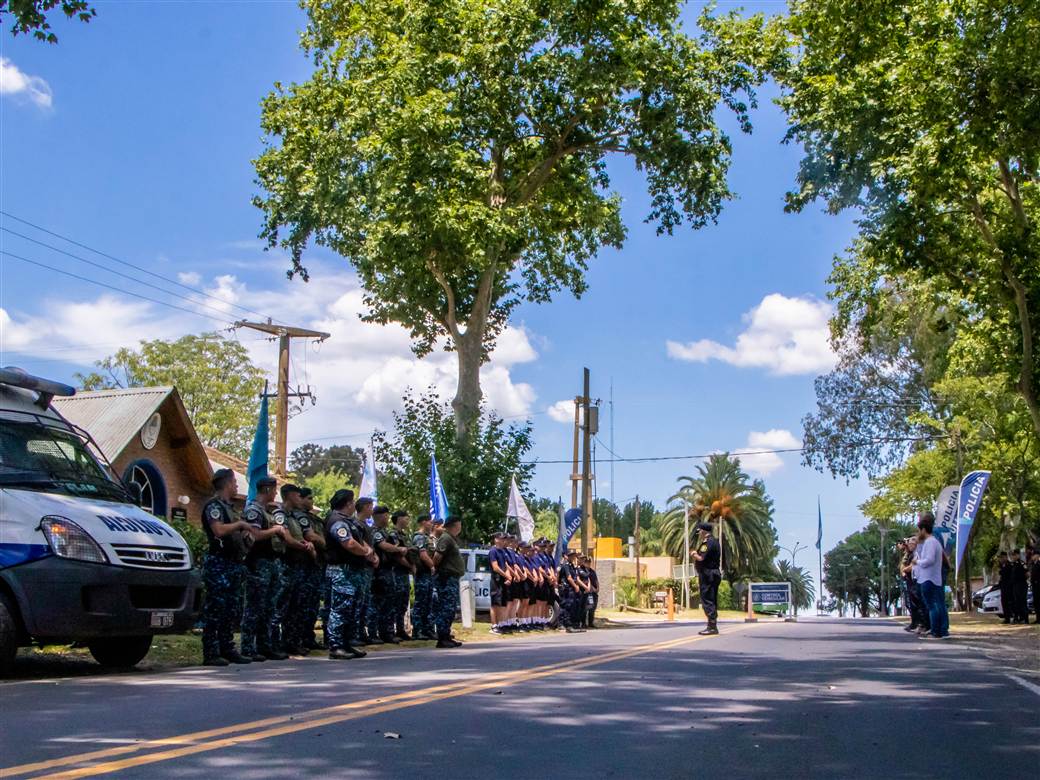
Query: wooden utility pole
[285,334]
[586,456]
[636,534]
[575,476]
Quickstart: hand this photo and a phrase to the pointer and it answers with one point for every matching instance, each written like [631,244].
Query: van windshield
[34,456]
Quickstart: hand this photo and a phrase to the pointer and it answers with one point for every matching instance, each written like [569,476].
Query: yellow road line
[201,741]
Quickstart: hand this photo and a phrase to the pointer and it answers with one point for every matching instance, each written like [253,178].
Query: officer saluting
[706,559]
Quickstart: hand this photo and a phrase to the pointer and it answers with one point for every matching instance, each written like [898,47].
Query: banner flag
[257,468]
[571,523]
[518,509]
[946,519]
[968,499]
[819,525]
[438,498]
[368,476]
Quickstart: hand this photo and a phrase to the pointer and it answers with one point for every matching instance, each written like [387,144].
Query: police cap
[289,489]
[306,492]
[705,527]
[266,482]
[221,476]
[341,498]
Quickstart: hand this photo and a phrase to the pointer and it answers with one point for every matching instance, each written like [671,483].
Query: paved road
[813,699]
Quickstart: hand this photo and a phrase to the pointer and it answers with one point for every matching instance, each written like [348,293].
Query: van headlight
[68,540]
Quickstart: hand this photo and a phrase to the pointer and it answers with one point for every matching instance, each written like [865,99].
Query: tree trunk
[466,404]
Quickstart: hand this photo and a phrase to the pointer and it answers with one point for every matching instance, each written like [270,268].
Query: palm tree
[802,590]
[742,511]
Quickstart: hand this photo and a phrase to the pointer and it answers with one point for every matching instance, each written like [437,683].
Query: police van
[79,560]
[478,574]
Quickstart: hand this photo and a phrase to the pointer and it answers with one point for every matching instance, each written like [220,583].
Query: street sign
[769,597]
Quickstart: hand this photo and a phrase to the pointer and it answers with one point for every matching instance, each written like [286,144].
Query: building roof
[112,417]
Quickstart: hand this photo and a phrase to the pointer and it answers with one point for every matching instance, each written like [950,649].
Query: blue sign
[770,593]
[571,523]
[968,499]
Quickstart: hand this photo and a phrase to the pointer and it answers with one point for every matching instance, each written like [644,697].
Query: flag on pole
[438,498]
[518,509]
[571,523]
[258,455]
[819,525]
[368,475]
[946,519]
[968,499]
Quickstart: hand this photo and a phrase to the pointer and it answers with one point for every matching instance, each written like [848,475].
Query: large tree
[924,115]
[30,16]
[454,151]
[218,383]
[309,459]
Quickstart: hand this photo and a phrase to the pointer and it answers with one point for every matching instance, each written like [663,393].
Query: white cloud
[190,278]
[22,86]
[784,335]
[765,463]
[358,375]
[562,411]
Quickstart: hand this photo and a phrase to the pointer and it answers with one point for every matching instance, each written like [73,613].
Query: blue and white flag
[368,476]
[819,524]
[257,469]
[438,498]
[946,520]
[968,500]
[571,523]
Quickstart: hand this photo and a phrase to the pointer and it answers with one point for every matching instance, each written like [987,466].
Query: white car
[478,572]
[991,603]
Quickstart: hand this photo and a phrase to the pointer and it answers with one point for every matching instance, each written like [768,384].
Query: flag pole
[819,549]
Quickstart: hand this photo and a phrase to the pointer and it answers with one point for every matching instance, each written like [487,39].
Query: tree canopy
[30,16]
[217,382]
[454,151]
[310,459]
[924,116]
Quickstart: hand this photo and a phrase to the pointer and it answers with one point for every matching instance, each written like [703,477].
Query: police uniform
[568,596]
[283,579]
[402,587]
[709,576]
[344,572]
[262,578]
[1019,592]
[381,615]
[422,607]
[583,595]
[302,589]
[449,570]
[366,628]
[224,575]
[314,582]
[593,598]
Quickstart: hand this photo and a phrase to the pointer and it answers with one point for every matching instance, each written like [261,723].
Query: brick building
[147,436]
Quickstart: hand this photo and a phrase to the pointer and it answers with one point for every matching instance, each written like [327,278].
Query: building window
[145,475]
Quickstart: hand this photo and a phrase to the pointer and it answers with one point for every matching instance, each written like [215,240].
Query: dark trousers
[709,587]
[590,613]
[1007,601]
[918,611]
[1036,601]
[1018,598]
[422,609]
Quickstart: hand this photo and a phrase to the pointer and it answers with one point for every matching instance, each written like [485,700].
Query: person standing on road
[919,621]
[403,570]
[422,607]
[929,577]
[706,559]
[450,567]
[384,542]
[366,612]
[261,575]
[223,573]
[314,579]
[346,553]
[570,593]
[286,635]
[1019,589]
[500,579]
[1004,585]
[590,615]
[1033,560]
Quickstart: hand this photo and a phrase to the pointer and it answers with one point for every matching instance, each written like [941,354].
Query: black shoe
[708,631]
[276,655]
[373,640]
[296,650]
[237,658]
[357,652]
[215,661]
[391,640]
[572,630]
[257,657]
[340,654]
[428,636]
[445,643]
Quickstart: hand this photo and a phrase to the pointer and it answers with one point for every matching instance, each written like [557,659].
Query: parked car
[980,594]
[991,602]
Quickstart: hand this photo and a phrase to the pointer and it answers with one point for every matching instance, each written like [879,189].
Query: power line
[124,262]
[221,312]
[107,286]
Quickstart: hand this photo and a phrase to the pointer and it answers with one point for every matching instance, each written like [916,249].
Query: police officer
[223,572]
[366,614]
[569,592]
[706,560]
[289,552]
[299,563]
[593,595]
[450,567]
[585,583]
[346,553]
[1019,589]
[501,578]
[403,569]
[314,577]
[381,614]
[422,607]
[1006,586]
[262,575]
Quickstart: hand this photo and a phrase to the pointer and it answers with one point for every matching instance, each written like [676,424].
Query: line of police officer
[287,561]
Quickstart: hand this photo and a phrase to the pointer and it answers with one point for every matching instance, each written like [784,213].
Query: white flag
[368,475]
[518,509]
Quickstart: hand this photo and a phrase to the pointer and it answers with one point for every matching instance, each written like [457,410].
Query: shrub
[196,539]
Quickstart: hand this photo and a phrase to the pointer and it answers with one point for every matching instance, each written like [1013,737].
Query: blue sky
[134,135]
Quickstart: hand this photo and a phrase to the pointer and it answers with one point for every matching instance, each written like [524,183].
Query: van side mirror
[135,492]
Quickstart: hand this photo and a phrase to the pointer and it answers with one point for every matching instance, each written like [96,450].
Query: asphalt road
[819,698]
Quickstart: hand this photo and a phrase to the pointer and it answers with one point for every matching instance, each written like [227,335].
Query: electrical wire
[126,263]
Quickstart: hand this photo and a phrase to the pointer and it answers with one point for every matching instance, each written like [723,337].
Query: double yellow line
[253,731]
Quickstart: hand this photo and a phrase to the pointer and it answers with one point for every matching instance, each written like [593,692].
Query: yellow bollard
[670,603]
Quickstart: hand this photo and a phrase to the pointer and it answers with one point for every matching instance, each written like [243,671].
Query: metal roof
[113,417]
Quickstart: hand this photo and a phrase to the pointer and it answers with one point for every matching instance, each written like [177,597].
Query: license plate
[162,620]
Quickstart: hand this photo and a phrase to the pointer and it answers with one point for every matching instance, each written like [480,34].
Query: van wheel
[8,636]
[122,652]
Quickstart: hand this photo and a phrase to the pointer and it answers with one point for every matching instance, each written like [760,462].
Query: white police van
[478,573]
[79,560]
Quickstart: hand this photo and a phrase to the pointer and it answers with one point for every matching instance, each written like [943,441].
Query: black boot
[214,660]
[237,658]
